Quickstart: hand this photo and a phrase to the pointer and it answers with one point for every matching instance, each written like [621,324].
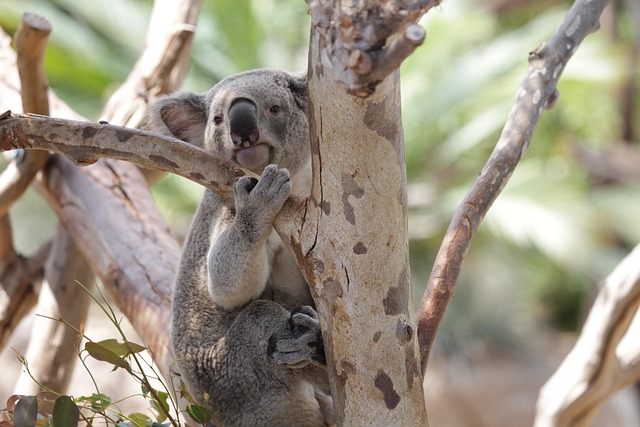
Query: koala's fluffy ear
[184,115]
[298,86]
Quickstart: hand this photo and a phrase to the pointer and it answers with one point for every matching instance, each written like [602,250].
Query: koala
[246,338]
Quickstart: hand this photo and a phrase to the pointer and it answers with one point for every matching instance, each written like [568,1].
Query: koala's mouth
[254,157]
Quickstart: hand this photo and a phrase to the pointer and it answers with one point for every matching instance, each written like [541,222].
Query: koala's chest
[286,284]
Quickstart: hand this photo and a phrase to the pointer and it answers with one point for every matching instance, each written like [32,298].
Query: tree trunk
[353,248]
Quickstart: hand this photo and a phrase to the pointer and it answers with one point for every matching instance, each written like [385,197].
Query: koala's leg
[238,260]
[264,380]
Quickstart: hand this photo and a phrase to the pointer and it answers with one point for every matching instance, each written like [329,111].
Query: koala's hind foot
[302,344]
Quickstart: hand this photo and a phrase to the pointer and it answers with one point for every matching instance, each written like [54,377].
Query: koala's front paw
[271,190]
[302,344]
[259,201]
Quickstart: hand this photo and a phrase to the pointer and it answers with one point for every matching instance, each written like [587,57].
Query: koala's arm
[239,261]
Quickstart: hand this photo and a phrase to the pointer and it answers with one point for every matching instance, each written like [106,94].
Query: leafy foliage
[58,410]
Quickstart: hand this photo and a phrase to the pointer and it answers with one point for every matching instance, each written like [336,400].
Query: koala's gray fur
[247,342]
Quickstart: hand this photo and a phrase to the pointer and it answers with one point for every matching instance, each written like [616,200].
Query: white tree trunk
[354,250]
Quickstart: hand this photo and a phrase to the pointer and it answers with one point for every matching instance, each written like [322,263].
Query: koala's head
[254,118]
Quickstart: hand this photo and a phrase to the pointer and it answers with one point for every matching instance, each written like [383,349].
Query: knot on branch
[364,42]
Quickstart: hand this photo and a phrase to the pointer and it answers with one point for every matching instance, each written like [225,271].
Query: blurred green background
[552,235]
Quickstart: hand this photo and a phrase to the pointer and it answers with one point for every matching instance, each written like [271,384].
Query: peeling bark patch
[394,301]
[124,135]
[346,368]
[196,175]
[163,161]
[333,289]
[350,188]
[377,336]
[318,266]
[375,118]
[404,332]
[326,207]
[385,385]
[359,248]
[89,132]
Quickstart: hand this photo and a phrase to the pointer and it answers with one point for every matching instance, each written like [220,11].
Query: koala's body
[247,342]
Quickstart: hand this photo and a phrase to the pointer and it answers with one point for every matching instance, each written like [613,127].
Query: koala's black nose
[243,120]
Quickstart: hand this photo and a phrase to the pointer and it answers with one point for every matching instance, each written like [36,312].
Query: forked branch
[364,42]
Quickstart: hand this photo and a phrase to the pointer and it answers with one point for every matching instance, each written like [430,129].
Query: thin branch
[596,368]
[19,278]
[364,42]
[536,92]
[31,40]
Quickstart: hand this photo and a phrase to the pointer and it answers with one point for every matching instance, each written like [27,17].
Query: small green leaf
[112,344]
[199,414]
[65,412]
[26,412]
[98,401]
[139,420]
[161,405]
[101,352]
[134,348]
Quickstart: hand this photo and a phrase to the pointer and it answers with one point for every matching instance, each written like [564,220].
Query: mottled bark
[353,247]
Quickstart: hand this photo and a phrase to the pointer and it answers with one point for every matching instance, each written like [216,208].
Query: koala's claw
[246,184]
[304,318]
[303,344]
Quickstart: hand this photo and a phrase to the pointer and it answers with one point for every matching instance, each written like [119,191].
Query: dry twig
[536,92]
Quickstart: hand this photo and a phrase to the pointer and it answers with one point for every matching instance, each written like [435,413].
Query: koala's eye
[275,109]
[217,120]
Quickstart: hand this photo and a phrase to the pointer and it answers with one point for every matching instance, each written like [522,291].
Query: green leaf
[139,420]
[65,412]
[26,412]
[199,414]
[121,348]
[134,348]
[98,401]
[101,352]
[161,405]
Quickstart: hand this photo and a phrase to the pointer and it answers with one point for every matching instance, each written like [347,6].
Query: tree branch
[18,279]
[536,92]
[163,64]
[85,142]
[53,345]
[605,358]
[31,40]
[364,42]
